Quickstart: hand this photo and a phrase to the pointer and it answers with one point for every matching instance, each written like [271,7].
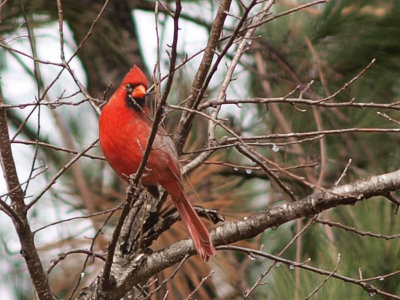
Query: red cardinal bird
[125,127]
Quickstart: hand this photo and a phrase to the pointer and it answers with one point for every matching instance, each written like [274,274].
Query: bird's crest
[135,76]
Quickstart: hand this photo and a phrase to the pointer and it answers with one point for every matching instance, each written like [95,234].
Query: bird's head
[135,85]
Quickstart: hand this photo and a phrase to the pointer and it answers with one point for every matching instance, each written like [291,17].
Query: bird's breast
[123,138]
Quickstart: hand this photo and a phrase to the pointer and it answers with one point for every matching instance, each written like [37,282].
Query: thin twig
[60,172]
[266,272]
[313,133]
[326,279]
[166,280]
[63,255]
[91,249]
[366,286]
[58,148]
[344,172]
[100,213]
[359,232]
[199,285]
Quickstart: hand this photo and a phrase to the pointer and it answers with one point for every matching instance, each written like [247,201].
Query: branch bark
[129,272]
[18,212]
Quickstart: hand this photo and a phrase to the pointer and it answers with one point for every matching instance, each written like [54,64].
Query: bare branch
[197,89]
[357,231]
[129,273]
[326,279]
[60,172]
[28,249]
[366,286]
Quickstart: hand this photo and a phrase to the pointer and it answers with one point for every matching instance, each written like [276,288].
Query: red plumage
[125,127]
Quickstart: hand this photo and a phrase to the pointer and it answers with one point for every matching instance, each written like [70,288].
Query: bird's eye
[129,88]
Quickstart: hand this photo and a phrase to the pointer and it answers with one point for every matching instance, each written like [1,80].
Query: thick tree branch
[130,273]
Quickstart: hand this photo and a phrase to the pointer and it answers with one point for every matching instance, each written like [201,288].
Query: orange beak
[139,92]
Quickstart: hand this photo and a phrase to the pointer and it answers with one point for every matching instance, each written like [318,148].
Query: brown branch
[35,59]
[92,215]
[199,285]
[266,272]
[287,12]
[63,255]
[304,265]
[263,166]
[357,231]
[51,105]
[196,91]
[242,142]
[60,172]
[9,211]
[275,146]
[310,102]
[166,9]
[325,280]
[57,148]
[91,249]
[131,272]
[169,277]
[241,48]
[312,133]
[28,249]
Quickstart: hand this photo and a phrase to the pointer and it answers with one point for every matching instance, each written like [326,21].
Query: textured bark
[130,271]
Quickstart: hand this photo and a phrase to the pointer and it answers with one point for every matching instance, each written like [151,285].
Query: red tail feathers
[197,230]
